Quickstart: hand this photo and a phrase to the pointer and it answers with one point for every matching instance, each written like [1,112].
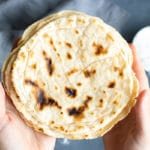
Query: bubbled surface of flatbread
[73,77]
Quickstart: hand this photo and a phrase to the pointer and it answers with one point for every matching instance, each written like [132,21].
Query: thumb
[143,111]
[2,103]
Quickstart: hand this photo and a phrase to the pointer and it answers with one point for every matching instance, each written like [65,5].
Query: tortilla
[71,76]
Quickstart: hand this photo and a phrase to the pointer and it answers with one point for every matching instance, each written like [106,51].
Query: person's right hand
[133,133]
[15,134]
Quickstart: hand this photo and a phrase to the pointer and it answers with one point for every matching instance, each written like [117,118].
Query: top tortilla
[71,76]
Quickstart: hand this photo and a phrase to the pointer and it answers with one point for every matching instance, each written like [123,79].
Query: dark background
[127,16]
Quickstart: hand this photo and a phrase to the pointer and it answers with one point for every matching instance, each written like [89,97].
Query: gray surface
[125,15]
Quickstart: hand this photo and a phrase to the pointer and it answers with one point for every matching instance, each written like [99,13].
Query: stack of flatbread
[71,76]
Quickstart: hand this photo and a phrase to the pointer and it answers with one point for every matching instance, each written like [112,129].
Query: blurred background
[125,15]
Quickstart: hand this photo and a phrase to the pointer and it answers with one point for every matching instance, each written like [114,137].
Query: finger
[44,139]
[2,102]
[143,110]
[139,70]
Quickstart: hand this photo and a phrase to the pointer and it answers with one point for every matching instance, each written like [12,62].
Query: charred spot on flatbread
[44,101]
[34,66]
[69,56]
[99,49]
[112,84]
[75,111]
[69,45]
[87,100]
[30,82]
[89,73]
[78,113]
[76,31]
[101,102]
[70,92]
[119,70]
[51,42]
[79,84]
[115,102]
[72,71]
[49,65]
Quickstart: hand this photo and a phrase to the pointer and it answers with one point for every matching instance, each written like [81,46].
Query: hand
[133,133]
[15,134]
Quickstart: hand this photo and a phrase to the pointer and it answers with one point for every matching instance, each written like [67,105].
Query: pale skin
[15,134]
[133,133]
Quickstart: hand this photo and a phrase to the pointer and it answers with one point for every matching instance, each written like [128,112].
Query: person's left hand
[133,132]
[15,134]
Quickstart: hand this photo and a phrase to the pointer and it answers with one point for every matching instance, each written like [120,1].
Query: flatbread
[71,76]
